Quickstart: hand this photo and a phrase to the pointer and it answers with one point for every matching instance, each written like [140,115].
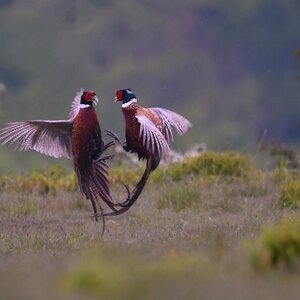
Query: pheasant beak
[95,100]
[116,99]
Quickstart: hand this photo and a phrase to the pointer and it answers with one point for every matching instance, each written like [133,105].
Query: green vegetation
[42,182]
[181,195]
[278,247]
[210,164]
[181,239]
[215,63]
[126,173]
[212,61]
[104,273]
[290,194]
[226,164]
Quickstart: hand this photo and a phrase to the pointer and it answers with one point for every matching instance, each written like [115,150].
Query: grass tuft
[277,247]
[226,164]
[208,164]
[40,181]
[290,194]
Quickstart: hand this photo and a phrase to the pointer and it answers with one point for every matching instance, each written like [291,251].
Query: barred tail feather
[95,187]
[136,192]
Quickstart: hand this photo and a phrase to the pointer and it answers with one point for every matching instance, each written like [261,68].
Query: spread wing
[152,138]
[51,138]
[170,119]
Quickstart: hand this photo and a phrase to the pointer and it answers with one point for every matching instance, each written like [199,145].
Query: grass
[209,164]
[278,247]
[184,238]
[180,195]
[290,194]
[116,277]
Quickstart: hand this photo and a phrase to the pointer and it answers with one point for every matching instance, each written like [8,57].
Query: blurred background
[228,66]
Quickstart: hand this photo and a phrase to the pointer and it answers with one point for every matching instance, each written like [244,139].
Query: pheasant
[148,133]
[78,139]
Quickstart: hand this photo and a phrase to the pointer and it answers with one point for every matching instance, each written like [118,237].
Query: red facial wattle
[89,96]
[119,95]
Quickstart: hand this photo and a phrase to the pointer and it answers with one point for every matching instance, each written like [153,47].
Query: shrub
[221,164]
[40,181]
[277,247]
[282,174]
[226,164]
[230,164]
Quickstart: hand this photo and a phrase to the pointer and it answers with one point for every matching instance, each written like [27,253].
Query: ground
[188,237]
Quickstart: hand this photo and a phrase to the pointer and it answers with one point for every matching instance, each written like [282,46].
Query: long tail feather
[95,186]
[136,192]
[94,209]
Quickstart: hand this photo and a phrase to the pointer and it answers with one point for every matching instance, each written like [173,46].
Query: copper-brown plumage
[134,142]
[86,138]
[78,138]
[148,133]
[132,126]
[87,148]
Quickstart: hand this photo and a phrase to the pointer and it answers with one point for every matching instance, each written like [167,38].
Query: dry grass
[182,239]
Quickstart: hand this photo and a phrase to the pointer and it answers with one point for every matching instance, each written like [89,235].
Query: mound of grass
[290,194]
[219,164]
[225,164]
[277,247]
[40,181]
[208,164]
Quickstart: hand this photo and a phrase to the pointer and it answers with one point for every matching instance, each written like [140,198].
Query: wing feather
[152,138]
[75,107]
[170,119]
[51,138]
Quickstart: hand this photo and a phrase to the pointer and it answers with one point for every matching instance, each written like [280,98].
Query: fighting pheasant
[148,133]
[78,138]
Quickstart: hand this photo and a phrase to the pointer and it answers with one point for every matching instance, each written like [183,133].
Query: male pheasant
[148,133]
[78,138]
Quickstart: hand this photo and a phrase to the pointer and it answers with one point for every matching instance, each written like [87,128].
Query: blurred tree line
[228,66]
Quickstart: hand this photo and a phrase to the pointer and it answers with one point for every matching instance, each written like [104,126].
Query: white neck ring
[84,105]
[133,100]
